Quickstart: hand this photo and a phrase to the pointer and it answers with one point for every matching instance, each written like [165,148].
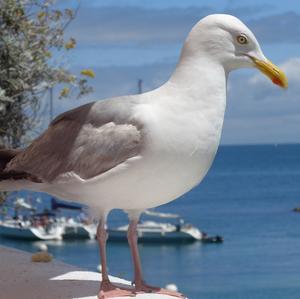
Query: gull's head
[226,40]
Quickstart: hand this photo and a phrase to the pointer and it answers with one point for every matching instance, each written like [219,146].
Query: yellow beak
[272,71]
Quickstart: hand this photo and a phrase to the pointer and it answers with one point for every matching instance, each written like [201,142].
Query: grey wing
[74,144]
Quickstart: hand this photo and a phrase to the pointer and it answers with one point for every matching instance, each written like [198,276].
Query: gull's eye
[242,39]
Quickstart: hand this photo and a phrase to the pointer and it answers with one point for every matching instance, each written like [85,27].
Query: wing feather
[82,141]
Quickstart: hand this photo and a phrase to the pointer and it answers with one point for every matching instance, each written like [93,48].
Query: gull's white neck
[198,85]
[193,102]
[203,80]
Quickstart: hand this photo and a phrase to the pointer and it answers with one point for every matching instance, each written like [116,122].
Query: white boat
[31,227]
[47,225]
[152,231]
[24,230]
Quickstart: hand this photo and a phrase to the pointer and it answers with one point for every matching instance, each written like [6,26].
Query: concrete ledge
[23,279]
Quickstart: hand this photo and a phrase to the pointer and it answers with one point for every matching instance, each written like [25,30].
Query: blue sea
[247,197]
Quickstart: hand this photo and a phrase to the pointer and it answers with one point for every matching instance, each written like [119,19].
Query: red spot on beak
[277,81]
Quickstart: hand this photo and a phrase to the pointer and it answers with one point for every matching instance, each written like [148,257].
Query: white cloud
[260,112]
[255,95]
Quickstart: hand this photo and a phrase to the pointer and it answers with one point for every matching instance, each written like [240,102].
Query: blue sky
[126,40]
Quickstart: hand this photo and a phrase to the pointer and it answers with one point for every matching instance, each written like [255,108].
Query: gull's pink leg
[140,285]
[107,289]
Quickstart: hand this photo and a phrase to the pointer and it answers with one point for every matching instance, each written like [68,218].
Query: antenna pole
[140,86]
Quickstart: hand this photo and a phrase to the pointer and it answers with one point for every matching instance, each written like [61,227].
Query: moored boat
[164,232]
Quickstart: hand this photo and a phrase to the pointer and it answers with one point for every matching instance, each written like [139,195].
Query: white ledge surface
[21,278]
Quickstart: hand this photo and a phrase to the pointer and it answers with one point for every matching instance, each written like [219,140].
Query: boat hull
[151,237]
[17,233]
[78,232]
[27,233]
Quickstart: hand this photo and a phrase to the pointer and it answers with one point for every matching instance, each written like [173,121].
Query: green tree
[31,44]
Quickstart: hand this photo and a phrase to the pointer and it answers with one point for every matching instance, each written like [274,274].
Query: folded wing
[79,141]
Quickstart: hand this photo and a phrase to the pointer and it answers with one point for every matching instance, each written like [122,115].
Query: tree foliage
[31,41]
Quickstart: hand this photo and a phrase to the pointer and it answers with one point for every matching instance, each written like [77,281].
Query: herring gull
[140,151]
